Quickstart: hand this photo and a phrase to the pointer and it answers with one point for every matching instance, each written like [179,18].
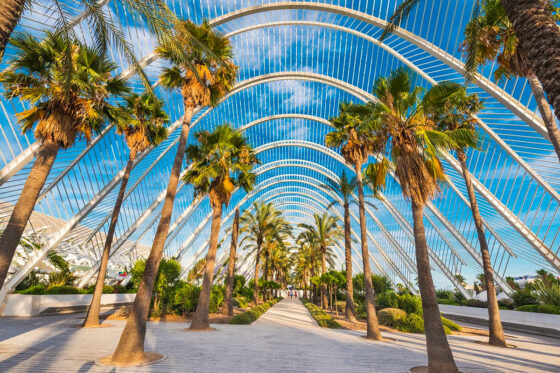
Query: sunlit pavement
[285,339]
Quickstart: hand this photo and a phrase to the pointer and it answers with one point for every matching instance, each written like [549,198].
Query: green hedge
[324,320]
[253,314]
[540,308]
[390,316]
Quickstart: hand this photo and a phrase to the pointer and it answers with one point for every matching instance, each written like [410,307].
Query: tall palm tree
[158,17]
[524,36]
[222,161]
[61,111]
[346,188]
[310,259]
[353,135]
[413,144]
[326,233]
[490,36]
[304,265]
[211,76]
[275,238]
[454,112]
[256,226]
[142,126]
[228,309]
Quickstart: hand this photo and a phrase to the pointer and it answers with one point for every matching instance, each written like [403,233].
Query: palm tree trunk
[350,309]
[256,284]
[440,358]
[372,323]
[496,331]
[324,300]
[130,349]
[228,309]
[9,240]
[10,13]
[335,301]
[92,317]
[546,113]
[539,36]
[312,285]
[200,319]
[265,288]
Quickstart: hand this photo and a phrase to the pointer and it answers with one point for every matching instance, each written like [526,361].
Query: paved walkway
[285,339]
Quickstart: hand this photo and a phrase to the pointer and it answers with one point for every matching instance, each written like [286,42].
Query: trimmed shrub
[341,306]
[390,316]
[523,297]
[253,314]
[324,320]
[450,325]
[240,302]
[63,289]
[412,323]
[475,303]
[539,308]
[451,302]
[33,290]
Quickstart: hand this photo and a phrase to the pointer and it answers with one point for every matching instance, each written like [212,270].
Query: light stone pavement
[285,339]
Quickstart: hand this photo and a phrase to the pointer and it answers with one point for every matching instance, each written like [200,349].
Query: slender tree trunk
[539,36]
[11,236]
[200,318]
[313,287]
[336,301]
[130,349]
[256,285]
[92,317]
[324,299]
[349,308]
[440,358]
[265,287]
[496,331]
[372,323]
[228,309]
[10,13]
[330,300]
[546,112]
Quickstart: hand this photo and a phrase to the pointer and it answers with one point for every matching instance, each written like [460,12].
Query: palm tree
[413,145]
[256,226]
[211,76]
[222,161]
[62,111]
[275,238]
[490,36]
[354,137]
[345,188]
[525,38]
[325,233]
[309,258]
[142,127]
[228,309]
[158,17]
[452,113]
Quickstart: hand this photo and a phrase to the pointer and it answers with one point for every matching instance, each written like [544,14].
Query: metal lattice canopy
[298,61]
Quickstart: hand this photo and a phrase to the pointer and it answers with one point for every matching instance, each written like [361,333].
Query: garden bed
[254,313]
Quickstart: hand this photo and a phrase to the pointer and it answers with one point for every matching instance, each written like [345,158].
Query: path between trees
[285,339]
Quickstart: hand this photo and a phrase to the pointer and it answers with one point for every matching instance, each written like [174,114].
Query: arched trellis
[299,4]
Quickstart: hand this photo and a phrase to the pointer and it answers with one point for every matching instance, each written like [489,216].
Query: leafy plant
[523,297]
[547,292]
[390,316]
[324,320]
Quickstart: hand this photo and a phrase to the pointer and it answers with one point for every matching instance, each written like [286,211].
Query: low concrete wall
[20,305]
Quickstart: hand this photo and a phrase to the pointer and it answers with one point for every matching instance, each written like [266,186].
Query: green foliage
[240,302]
[216,298]
[64,289]
[238,284]
[381,284]
[390,316]
[540,308]
[445,294]
[341,306]
[387,300]
[410,303]
[186,298]
[324,320]
[547,292]
[450,325]
[32,279]
[38,289]
[523,297]
[253,314]
[412,323]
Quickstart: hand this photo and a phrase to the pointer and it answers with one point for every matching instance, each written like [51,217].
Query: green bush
[505,304]
[539,308]
[324,320]
[390,316]
[450,325]
[216,298]
[33,290]
[387,300]
[240,302]
[475,303]
[452,302]
[410,303]
[253,314]
[64,289]
[445,294]
[186,298]
[341,306]
[412,323]
[547,293]
[523,297]
[361,311]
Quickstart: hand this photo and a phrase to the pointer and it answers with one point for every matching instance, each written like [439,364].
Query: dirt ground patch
[215,318]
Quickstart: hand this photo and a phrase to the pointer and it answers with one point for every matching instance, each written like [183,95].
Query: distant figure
[295,294]
[290,293]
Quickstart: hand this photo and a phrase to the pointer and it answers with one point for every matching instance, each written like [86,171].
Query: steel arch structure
[520,222]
